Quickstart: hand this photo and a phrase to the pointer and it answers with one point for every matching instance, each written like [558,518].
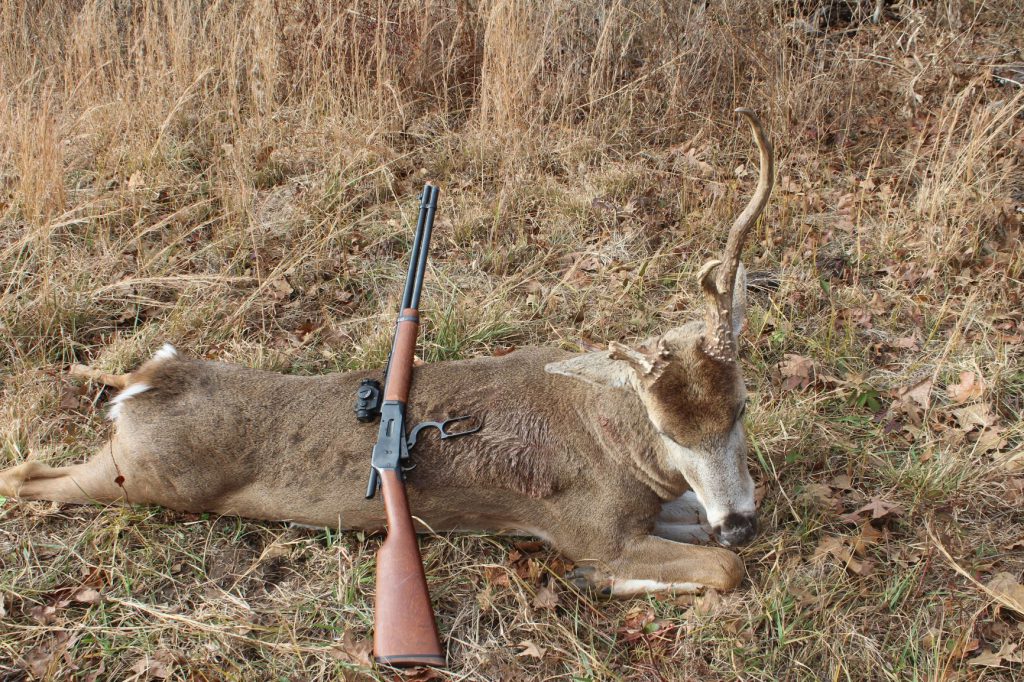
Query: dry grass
[240,178]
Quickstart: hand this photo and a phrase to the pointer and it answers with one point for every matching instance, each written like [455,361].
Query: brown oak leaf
[1009,590]
[1007,654]
[546,598]
[797,372]
[969,388]
[531,650]
[353,648]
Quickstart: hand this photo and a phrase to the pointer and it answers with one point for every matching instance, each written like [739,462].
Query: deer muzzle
[736,529]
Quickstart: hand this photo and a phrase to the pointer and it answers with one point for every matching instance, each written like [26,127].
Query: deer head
[689,379]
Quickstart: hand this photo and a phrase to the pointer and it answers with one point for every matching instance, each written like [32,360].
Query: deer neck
[631,441]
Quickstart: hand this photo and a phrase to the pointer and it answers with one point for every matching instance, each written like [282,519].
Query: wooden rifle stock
[404,632]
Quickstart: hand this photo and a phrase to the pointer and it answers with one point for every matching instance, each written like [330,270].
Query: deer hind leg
[93,481]
[683,520]
[653,564]
[118,381]
[689,533]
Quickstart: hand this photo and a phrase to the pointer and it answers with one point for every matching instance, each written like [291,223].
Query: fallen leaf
[1007,587]
[136,181]
[907,343]
[877,508]
[496,575]
[304,332]
[70,396]
[152,668]
[822,497]
[684,600]
[797,372]
[862,567]
[972,416]
[157,666]
[929,638]
[788,184]
[546,598]
[530,546]
[87,596]
[560,565]
[534,292]
[95,674]
[279,288]
[914,399]
[708,603]
[1007,654]
[860,317]
[485,599]
[353,648]
[880,508]
[991,440]
[1012,461]
[869,535]
[40,658]
[841,482]
[838,548]
[969,388]
[532,650]
[702,168]
[636,623]
[830,545]
[804,598]
[44,615]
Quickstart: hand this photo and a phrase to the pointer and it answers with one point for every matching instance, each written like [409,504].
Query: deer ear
[615,368]
[598,368]
[739,303]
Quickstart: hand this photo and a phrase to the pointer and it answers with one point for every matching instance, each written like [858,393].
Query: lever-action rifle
[404,633]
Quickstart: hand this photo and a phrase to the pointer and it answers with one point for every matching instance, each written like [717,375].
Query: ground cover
[240,179]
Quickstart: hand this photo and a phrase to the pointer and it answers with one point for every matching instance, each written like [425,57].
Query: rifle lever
[443,427]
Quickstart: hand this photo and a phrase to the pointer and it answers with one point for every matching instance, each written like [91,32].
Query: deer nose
[736,529]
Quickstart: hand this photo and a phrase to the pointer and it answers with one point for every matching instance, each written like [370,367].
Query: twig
[959,569]
[197,625]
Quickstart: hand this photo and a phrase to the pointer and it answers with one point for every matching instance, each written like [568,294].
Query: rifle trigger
[443,427]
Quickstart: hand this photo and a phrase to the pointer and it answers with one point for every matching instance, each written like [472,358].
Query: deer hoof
[589,581]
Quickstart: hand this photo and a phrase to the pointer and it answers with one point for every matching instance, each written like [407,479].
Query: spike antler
[718,277]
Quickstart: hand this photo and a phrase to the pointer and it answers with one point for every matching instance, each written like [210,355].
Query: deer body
[566,460]
[619,458]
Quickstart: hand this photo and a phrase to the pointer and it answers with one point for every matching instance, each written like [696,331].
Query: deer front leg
[651,564]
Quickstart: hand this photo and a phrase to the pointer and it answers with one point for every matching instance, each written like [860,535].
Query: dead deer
[622,459]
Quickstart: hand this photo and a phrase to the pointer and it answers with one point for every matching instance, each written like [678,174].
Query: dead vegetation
[239,179]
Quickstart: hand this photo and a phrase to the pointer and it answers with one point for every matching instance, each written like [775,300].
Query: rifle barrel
[417,241]
[421,266]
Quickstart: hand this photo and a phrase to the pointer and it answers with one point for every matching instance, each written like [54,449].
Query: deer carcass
[622,459]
